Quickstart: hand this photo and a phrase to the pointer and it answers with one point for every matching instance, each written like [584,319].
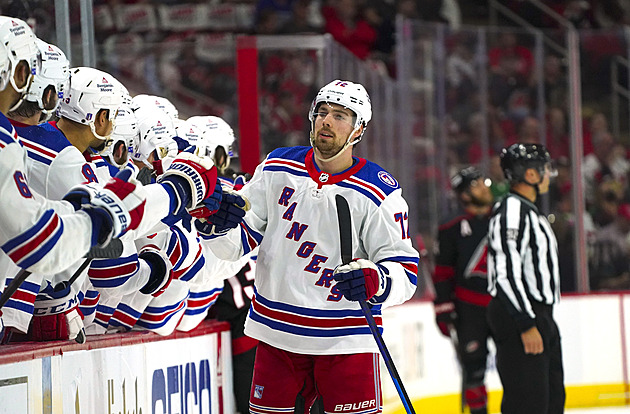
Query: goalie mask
[19,41]
[219,137]
[90,91]
[53,76]
[155,137]
[157,101]
[125,131]
[350,95]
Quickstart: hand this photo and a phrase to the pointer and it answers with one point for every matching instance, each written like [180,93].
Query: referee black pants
[532,384]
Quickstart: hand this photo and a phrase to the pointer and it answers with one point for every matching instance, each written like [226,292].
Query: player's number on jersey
[22,186]
[403,220]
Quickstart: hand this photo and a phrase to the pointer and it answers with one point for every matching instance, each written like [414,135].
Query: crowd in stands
[194,66]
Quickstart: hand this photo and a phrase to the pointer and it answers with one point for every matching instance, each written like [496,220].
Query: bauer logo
[185,388]
[354,407]
[386,177]
[258,391]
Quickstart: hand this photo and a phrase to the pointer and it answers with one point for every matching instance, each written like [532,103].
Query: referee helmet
[518,158]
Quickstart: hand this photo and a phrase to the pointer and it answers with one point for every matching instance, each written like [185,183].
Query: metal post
[482,68]
[62,23]
[575,109]
[87,33]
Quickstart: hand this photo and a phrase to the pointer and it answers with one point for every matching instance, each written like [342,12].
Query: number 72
[403,219]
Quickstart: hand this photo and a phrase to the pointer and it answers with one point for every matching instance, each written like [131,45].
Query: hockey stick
[345,236]
[113,250]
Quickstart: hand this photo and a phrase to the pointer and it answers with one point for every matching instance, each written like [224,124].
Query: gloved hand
[56,317]
[445,317]
[161,270]
[360,280]
[210,205]
[240,180]
[231,212]
[114,209]
[189,180]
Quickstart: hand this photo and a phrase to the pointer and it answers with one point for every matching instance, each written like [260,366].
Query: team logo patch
[323,177]
[258,391]
[386,177]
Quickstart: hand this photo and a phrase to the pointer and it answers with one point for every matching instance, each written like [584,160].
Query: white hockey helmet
[217,133]
[155,135]
[192,134]
[5,67]
[347,94]
[125,130]
[162,103]
[91,90]
[19,41]
[55,74]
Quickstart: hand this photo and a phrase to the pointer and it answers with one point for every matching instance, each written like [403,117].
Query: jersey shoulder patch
[376,175]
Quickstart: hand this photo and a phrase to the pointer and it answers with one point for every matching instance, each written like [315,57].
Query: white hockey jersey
[293,220]
[35,233]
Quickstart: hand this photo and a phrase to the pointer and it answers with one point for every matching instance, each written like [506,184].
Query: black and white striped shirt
[522,258]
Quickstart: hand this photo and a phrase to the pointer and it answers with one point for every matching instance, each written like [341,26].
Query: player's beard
[328,147]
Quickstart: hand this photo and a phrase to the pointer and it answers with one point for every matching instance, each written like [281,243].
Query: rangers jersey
[293,221]
[36,234]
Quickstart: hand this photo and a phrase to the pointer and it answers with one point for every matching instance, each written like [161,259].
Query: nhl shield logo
[258,391]
[323,177]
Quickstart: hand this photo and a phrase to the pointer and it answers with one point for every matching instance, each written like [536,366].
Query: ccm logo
[340,408]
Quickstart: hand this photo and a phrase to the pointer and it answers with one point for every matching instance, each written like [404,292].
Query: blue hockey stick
[345,237]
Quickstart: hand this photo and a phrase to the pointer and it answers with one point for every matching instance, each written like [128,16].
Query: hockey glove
[56,317]
[360,280]
[161,271]
[114,209]
[210,205]
[445,317]
[189,180]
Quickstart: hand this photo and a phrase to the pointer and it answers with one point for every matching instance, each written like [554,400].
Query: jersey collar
[324,178]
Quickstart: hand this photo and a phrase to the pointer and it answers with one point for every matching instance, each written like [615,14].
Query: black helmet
[461,181]
[518,158]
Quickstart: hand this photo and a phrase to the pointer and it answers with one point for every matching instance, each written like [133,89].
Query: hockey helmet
[19,40]
[216,134]
[460,182]
[55,74]
[125,130]
[518,158]
[347,94]
[161,102]
[91,90]
[155,135]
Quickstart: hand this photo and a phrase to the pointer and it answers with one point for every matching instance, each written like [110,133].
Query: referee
[523,280]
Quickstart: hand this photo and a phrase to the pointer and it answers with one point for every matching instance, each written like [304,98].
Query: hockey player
[309,327]
[460,281]
[219,137]
[125,129]
[46,236]
[86,123]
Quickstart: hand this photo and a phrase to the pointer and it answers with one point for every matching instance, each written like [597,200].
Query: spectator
[557,132]
[596,125]
[518,57]
[609,262]
[346,24]
[605,163]
[300,22]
